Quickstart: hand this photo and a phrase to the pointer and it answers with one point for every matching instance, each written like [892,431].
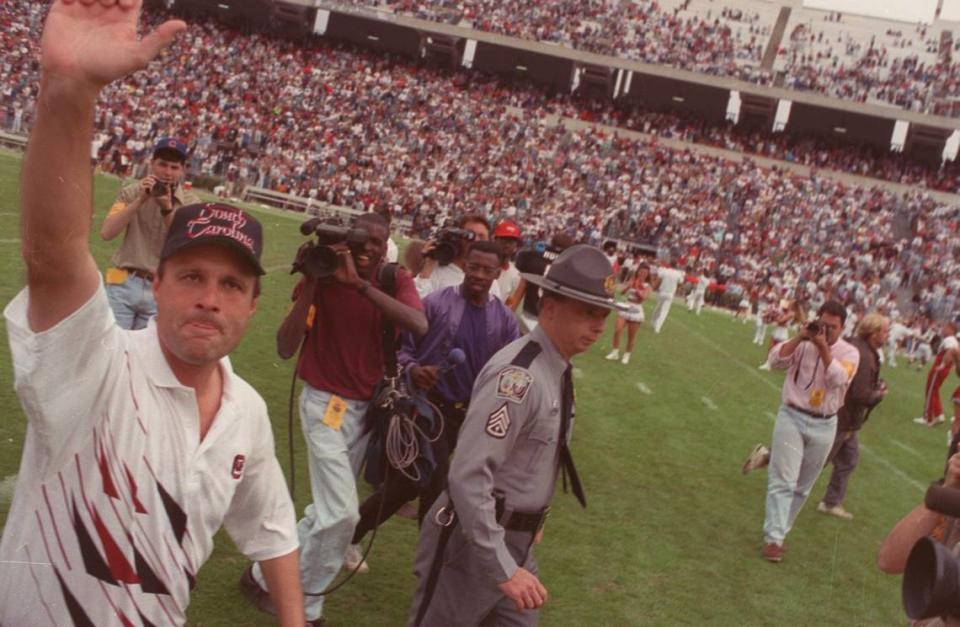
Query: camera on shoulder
[448,241]
[316,258]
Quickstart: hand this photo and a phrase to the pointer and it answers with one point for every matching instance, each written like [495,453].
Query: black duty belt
[807,412]
[143,274]
[530,522]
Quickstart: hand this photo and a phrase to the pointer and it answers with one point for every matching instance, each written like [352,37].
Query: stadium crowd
[729,44]
[428,144]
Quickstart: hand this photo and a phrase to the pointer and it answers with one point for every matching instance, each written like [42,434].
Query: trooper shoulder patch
[513,383]
[498,423]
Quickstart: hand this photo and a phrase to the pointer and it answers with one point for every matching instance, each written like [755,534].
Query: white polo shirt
[117,499]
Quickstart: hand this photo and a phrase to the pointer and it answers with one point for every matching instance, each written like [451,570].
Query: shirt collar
[159,370]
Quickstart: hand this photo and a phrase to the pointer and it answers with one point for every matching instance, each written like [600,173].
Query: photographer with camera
[338,316]
[143,212]
[819,367]
[922,522]
[445,255]
[865,392]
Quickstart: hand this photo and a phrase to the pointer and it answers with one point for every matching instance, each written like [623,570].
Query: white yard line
[753,371]
[709,403]
[908,449]
[7,485]
[643,387]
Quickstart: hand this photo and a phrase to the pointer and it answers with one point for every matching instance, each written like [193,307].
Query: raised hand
[94,42]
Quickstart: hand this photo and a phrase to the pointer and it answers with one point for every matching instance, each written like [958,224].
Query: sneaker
[773,552]
[939,420]
[626,359]
[920,420]
[836,510]
[764,366]
[254,593]
[759,457]
[353,560]
[613,355]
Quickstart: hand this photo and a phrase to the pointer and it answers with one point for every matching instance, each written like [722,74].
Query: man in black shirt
[534,261]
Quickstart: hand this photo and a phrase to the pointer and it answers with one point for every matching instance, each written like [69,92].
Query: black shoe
[252,590]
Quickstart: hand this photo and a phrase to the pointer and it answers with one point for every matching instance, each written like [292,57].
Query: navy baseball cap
[215,223]
[170,144]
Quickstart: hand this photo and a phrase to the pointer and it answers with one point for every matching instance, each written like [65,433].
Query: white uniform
[508,281]
[697,295]
[117,498]
[670,280]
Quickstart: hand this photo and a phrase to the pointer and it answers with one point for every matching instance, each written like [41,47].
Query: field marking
[7,486]
[772,416]
[272,269]
[709,403]
[643,387]
[769,383]
[12,240]
[905,447]
[577,373]
[892,468]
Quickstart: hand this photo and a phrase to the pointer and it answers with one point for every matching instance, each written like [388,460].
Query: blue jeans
[132,302]
[799,450]
[335,458]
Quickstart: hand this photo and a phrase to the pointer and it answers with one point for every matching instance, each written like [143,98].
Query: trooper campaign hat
[583,273]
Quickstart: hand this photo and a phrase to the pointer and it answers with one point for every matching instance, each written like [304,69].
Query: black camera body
[448,244]
[161,188]
[815,328]
[317,258]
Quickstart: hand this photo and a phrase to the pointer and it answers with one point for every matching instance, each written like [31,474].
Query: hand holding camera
[152,187]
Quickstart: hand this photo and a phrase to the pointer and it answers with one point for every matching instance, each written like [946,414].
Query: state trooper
[474,564]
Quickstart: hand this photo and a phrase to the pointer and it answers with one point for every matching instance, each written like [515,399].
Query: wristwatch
[363,287]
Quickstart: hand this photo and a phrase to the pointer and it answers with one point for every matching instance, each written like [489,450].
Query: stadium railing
[9,140]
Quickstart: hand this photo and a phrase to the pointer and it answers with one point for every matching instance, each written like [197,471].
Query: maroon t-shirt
[343,353]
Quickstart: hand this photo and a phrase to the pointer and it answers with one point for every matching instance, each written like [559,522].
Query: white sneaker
[353,560]
[836,510]
[626,359]
[613,355]
[759,457]
[939,420]
[764,366]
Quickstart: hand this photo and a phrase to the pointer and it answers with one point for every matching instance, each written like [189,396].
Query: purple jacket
[444,311]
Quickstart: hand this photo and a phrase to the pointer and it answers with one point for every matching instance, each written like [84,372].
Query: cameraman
[143,211]
[464,317]
[921,522]
[820,366]
[339,323]
[865,392]
[433,276]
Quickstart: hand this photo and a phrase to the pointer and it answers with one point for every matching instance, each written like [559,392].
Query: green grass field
[673,532]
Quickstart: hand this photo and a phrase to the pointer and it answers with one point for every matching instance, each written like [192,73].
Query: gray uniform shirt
[508,445]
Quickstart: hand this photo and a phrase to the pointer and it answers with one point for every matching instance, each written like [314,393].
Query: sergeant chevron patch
[498,423]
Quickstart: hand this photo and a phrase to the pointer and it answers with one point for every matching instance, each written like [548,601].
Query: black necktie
[566,459]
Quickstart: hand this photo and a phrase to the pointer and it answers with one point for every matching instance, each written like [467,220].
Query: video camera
[550,253]
[448,241]
[317,258]
[931,579]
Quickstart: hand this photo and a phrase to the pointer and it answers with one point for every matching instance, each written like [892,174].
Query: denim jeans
[799,450]
[132,302]
[335,456]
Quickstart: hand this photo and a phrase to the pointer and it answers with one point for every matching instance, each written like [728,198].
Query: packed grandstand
[359,128]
